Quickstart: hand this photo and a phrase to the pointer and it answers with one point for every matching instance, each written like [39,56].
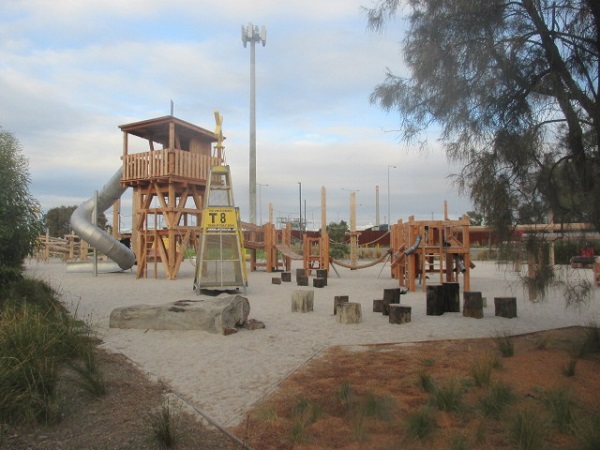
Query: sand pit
[225,375]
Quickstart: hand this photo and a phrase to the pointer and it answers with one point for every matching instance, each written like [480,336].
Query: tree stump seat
[473,304]
[301,280]
[505,307]
[338,300]
[302,301]
[378,305]
[286,276]
[319,282]
[400,314]
[349,312]
[276,280]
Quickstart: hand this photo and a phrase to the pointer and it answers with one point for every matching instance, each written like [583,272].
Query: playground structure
[434,247]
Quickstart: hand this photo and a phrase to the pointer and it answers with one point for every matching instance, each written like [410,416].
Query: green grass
[38,340]
[164,426]
[426,381]
[528,429]
[561,404]
[448,396]
[505,343]
[481,370]
[496,399]
[420,424]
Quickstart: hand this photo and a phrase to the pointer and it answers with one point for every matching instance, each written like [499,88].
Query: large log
[302,301]
[214,315]
[391,296]
[400,314]
[435,300]
[505,307]
[451,294]
[472,304]
[349,313]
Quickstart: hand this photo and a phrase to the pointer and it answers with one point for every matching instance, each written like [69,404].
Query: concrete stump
[286,276]
[400,314]
[390,296]
[473,304]
[349,313]
[276,280]
[451,294]
[435,300]
[302,301]
[337,301]
[319,282]
[301,280]
[378,305]
[214,315]
[506,307]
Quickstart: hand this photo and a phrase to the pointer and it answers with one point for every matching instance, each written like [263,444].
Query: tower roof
[157,130]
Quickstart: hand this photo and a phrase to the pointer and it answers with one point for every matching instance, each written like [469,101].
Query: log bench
[349,312]
[302,301]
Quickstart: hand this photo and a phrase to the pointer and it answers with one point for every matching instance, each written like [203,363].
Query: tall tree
[58,220]
[514,86]
[20,216]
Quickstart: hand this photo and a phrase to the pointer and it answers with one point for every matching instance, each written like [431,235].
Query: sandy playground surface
[224,376]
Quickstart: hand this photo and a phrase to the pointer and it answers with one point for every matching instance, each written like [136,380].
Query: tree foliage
[337,236]
[58,220]
[20,218]
[514,87]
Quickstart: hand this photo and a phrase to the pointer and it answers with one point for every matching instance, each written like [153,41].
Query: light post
[251,33]
[389,221]
[300,202]
[260,186]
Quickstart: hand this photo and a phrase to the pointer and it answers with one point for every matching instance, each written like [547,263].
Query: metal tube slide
[412,248]
[81,221]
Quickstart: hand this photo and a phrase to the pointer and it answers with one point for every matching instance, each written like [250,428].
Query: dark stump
[506,306]
[473,304]
[390,297]
[338,300]
[435,300]
[451,293]
[400,314]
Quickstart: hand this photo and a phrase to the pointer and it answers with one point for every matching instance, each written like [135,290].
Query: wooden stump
[349,313]
[276,280]
[302,280]
[378,305]
[390,297]
[319,282]
[302,301]
[301,273]
[286,276]
[322,273]
[337,301]
[473,304]
[435,300]
[506,306]
[451,294]
[400,314]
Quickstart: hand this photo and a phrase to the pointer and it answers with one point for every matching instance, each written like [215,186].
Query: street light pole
[260,186]
[252,34]
[389,221]
[300,202]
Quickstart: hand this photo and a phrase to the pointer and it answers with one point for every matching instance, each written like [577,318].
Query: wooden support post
[506,307]
[349,313]
[338,300]
[451,294]
[400,314]
[435,300]
[473,304]
[390,296]
[302,301]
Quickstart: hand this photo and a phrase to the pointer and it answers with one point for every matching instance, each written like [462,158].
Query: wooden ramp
[287,251]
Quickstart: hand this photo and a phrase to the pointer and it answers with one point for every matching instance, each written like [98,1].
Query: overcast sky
[72,71]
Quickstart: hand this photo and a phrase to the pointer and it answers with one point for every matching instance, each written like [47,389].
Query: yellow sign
[222,218]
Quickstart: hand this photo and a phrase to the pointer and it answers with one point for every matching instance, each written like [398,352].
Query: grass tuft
[497,398]
[164,426]
[528,429]
[448,396]
[426,381]
[505,343]
[560,403]
[420,424]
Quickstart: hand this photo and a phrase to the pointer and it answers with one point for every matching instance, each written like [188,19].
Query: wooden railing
[165,163]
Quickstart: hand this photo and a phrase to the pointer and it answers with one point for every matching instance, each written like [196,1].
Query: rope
[360,266]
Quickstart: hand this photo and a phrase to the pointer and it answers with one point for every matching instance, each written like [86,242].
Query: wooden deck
[166,163]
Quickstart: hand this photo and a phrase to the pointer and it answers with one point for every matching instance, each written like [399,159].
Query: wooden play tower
[169,182]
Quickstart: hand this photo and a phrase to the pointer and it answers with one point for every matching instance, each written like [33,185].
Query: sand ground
[224,376]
